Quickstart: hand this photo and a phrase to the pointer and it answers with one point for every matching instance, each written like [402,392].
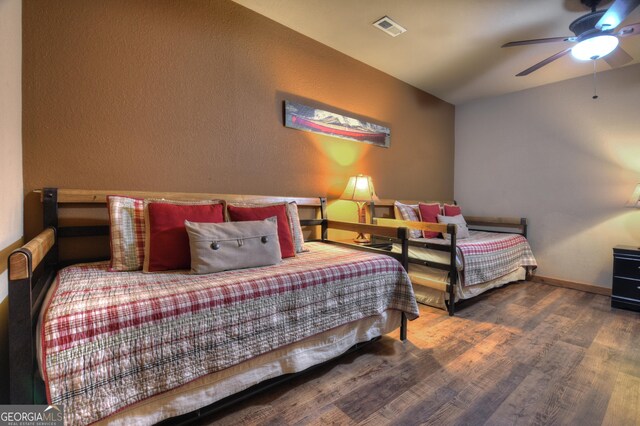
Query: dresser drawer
[626,288]
[628,267]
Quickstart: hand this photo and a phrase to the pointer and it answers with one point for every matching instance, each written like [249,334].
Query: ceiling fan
[595,35]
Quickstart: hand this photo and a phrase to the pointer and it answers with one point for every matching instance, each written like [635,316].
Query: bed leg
[403,327]
[21,343]
[453,269]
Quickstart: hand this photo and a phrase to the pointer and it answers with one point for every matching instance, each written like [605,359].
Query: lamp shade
[594,47]
[359,188]
[634,201]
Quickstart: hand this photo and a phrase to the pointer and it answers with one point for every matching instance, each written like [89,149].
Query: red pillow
[452,210]
[241,214]
[429,213]
[167,241]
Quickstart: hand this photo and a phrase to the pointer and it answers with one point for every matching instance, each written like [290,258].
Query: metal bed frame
[477,223]
[33,269]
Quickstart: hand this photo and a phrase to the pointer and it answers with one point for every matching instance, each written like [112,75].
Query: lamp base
[361,239]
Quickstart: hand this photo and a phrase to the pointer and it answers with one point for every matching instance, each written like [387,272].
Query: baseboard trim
[589,288]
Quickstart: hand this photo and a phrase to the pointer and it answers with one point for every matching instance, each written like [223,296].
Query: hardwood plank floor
[528,353]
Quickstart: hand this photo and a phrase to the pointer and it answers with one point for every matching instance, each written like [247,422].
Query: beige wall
[561,159]
[10,159]
[187,96]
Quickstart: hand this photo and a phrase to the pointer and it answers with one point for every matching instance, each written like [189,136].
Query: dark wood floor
[525,354]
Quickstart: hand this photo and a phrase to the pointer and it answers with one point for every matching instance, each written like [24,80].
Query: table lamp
[360,189]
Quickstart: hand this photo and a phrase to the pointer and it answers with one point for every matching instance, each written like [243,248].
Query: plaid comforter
[489,255]
[111,339]
[485,256]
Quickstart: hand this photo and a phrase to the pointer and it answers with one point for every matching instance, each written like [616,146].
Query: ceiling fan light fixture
[594,47]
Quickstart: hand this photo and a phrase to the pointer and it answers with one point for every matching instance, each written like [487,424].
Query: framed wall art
[310,119]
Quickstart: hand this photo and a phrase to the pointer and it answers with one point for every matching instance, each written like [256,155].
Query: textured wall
[187,96]
[563,160]
[10,160]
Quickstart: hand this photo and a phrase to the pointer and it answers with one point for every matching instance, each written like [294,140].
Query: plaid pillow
[126,236]
[296,229]
[411,213]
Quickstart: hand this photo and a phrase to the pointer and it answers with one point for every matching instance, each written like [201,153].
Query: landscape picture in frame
[310,119]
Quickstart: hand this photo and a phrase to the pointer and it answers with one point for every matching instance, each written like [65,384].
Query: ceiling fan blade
[617,13]
[543,63]
[538,40]
[618,58]
[629,30]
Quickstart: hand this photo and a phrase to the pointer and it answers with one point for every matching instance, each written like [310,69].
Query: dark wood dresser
[625,291]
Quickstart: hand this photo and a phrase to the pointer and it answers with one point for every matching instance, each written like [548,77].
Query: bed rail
[31,272]
[498,224]
[450,229]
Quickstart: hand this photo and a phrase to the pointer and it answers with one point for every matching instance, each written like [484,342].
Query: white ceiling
[452,47]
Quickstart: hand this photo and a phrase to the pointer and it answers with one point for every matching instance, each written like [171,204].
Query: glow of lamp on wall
[634,201]
[360,189]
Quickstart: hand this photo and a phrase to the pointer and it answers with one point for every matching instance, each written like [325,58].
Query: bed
[130,347]
[444,272]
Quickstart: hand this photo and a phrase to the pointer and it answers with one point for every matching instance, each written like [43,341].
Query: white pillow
[463,231]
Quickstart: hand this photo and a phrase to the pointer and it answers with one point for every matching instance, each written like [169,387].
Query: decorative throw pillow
[463,231]
[126,233]
[452,210]
[293,218]
[217,247]
[294,226]
[166,240]
[411,213]
[242,214]
[429,213]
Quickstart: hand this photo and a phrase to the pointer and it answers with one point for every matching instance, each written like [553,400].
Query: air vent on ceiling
[389,26]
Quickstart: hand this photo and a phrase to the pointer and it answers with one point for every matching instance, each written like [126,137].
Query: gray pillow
[463,231]
[217,247]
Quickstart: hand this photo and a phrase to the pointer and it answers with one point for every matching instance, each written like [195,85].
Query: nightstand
[625,289]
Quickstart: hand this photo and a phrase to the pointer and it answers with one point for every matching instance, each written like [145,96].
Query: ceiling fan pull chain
[595,94]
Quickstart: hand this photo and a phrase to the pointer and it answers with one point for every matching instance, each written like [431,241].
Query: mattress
[437,298]
[290,359]
[113,341]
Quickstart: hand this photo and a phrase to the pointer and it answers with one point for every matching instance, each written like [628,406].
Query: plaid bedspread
[111,339]
[485,256]
[490,255]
